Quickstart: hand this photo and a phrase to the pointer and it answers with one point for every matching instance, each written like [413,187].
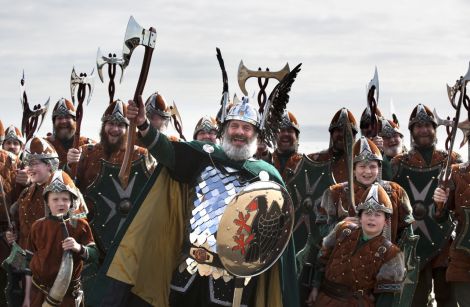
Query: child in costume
[60,243]
[358,265]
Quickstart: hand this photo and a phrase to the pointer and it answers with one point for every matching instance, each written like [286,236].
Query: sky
[417,46]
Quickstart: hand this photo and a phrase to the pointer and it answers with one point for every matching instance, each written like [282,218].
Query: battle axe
[135,36]
[78,87]
[112,60]
[32,119]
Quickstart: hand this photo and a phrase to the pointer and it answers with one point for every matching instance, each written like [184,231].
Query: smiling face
[366,172]
[372,222]
[38,171]
[423,134]
[393,145]
[64,127]
[287,140]
[59,202]
[13,146]
[239,140]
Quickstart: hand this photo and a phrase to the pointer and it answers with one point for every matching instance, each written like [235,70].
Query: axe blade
[76,80]
[465,128]
[466,78]
[244,74]
[100,62]
[440,121]
[90,82]
[43,112]
[73,84]
[135,36]
[374,83]
[174,111]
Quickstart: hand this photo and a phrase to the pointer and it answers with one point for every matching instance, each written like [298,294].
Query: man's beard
[110,148]
[424,141]
[293,146]
[64,132]
[238,153]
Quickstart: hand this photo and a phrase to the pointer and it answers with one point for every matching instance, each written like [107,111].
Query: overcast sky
[418,47]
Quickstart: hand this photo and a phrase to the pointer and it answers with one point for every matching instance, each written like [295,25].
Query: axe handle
[125,170]
[79,117]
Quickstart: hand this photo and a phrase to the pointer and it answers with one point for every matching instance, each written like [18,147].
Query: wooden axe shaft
[124,172]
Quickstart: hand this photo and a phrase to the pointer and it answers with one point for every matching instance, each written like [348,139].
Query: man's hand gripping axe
[135,36]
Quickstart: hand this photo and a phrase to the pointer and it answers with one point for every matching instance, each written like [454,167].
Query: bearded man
[392,145]
[64,126]
[417,171]
[14,141]
[335,153]
[190,271]
[206,130]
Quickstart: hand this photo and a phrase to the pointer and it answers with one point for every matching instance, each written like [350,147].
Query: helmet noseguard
[244,111]
[290,121]
[364,149]
[63,107]
[13,133]
[205,123]
[375,198]
[421,114]
[388,128]
[340,118]
[116,112]
[156,104]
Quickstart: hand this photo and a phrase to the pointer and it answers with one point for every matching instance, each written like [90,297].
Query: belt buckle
[201,255]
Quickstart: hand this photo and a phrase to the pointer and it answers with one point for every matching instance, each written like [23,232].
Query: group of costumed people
[237,216]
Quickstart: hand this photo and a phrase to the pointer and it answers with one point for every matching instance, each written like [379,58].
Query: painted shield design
[306,188]
[419,184]
[255,228]
[111,202]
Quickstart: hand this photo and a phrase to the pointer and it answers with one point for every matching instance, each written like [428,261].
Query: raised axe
[244,74]
[177,122]
[460,88]
[135,36]
[78,88]
[112,60]
[32,120]
[372,100]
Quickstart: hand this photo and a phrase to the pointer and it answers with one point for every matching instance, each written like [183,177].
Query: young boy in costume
[358,265]
[60,243]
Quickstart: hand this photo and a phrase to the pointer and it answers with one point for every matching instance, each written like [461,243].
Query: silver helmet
[244,111]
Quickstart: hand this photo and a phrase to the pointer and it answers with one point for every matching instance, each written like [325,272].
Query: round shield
[255,228]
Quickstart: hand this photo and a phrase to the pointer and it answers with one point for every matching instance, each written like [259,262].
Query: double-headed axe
[245,73]
[461,88]
[78,87]
[32,119]
[135,36]
[112,60]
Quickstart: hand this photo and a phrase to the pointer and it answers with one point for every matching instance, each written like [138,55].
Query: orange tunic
[8,166]
[45,242]
[89,165]
[459,198]
[290,167]
[62,149]
[339,165]
[363,267]
[336,206]
[30,208]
